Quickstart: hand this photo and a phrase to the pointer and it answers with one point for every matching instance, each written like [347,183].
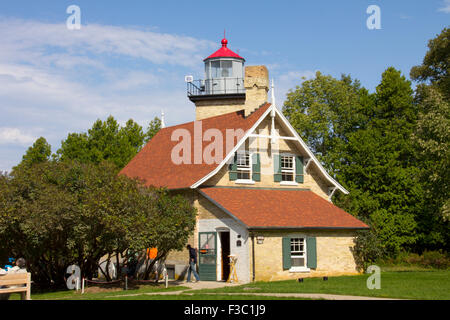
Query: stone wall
[334,255]
[211,108]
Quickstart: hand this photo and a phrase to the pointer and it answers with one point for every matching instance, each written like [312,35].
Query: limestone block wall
[334,255]
[211,108]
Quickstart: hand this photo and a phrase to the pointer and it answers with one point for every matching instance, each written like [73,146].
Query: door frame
[208,275]
[220,261]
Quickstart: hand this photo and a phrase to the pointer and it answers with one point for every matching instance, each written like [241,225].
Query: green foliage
[367,249]
[432,140]
[39,152]
[435,67]
[325,111]
[428,260]
[382,164]
[153,127]
[107,140]
[364,140]
[60,213]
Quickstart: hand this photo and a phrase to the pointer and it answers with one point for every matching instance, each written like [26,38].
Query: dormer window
[287,168]
[243,166]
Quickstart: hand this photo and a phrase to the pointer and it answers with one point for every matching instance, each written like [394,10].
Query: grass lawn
[400,284]
[93,294]
[394,284]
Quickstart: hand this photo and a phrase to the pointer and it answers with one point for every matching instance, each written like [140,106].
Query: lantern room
[224,76]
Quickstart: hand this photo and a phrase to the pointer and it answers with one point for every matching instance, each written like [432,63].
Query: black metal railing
[215,86]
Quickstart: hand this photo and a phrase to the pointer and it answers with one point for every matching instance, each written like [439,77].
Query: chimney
[256,83]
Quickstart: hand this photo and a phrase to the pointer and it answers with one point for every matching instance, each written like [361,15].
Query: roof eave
[256,228]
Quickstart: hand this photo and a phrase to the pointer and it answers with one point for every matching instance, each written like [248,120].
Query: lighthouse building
[266,202]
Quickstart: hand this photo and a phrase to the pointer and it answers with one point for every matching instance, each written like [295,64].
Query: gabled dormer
[272,155]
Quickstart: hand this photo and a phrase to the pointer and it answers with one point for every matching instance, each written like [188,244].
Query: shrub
[367,249]
[428,259]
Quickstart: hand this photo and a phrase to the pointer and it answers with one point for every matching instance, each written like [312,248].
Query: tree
[435,67]
[432,140]
[106,140]
[153,128]
[364,141]
[60,213]
[382,164]
[39,152]
[324,111]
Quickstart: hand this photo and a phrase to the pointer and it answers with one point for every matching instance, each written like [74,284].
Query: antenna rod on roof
[273,94]
[163,124]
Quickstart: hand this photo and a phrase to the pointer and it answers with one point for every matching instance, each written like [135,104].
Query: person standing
[192,264]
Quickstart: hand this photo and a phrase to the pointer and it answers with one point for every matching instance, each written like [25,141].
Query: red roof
[154,164]
[224,52]
[276,208]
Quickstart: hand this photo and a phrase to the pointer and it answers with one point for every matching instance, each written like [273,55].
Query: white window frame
[284,182]
[245,168]
[305,256]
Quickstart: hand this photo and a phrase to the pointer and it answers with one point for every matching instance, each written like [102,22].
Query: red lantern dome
[224,52]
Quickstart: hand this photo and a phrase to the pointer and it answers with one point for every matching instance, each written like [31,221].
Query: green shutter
[256,167]
[311,254]
[299,169]
[276,168]
[233,169]
[286,253]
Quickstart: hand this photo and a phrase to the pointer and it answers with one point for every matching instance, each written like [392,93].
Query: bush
[367,249]
[428,259]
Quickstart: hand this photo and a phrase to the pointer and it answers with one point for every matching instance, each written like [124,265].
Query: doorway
[225,252]
[207,255]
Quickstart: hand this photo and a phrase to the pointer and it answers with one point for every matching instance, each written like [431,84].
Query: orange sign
[152,253]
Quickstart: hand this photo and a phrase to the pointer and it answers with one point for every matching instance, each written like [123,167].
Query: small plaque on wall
[259,239]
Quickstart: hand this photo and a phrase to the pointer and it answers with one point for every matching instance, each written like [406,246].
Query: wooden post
[28,295]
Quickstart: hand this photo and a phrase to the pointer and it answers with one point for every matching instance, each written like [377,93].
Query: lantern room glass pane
[227,69]
[215,69]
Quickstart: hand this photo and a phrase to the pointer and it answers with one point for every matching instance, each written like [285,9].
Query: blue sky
[130,57]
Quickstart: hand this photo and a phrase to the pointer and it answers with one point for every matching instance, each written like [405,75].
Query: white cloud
[15,136]
[19,36]
[446,7]
[62,80]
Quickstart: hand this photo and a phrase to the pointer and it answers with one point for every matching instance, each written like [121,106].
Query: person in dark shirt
[192,264]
